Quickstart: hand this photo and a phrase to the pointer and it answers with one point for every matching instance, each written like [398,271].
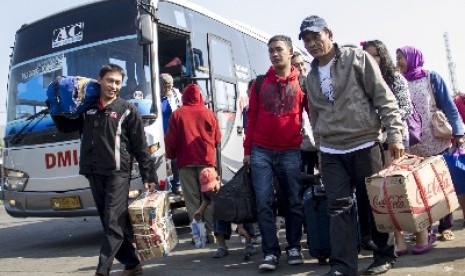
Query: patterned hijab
[415,62]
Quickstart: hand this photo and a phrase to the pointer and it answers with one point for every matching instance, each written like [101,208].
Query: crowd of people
[358,103]
[352,96]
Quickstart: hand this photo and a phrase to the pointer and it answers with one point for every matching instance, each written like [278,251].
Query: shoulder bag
[441,126]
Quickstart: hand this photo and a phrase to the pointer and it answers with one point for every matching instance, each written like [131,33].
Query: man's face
[280,54]
[319,44]
[298,62]
[110,85]
[166,88]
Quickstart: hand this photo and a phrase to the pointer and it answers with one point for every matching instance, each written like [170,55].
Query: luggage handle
[406,161]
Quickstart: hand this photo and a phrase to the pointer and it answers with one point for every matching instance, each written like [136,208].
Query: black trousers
[111,198]
[342,174]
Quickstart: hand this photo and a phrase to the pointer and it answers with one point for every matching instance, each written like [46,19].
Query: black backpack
[235,201]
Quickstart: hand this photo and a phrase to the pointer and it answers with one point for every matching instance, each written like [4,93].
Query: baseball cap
[208,179]
[313,23]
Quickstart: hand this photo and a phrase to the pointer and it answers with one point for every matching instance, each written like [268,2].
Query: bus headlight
[14,180]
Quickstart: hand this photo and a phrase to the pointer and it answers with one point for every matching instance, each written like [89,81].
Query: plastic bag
[199,233]
[456,164]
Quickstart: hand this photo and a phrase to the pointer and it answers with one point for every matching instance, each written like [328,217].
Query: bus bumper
[50,204]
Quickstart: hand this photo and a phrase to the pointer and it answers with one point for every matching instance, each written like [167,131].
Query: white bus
[146,38]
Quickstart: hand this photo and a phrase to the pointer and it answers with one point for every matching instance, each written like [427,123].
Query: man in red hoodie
[272,147]
[192,138]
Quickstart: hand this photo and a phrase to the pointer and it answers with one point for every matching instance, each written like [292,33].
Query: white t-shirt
[326,85]
[325,80]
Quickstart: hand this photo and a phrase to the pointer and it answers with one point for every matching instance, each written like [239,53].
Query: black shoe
[369,245]
[378,268]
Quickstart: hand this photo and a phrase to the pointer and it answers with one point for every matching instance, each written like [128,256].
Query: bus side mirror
[144,29]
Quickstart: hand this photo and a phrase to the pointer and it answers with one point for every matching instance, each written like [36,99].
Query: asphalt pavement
[70,246]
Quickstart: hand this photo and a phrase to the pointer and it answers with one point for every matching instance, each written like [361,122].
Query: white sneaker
[269,263]
[294,256]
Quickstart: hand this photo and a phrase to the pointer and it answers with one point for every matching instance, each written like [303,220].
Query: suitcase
[317,219]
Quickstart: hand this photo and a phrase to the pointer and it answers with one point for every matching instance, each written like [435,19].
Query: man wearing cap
[348,102]
[271,147]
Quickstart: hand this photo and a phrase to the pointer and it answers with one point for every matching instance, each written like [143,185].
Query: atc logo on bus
[60,159]
[67,35]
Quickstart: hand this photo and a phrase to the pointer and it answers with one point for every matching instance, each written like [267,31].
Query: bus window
[259,64]
[222,61]
[225,96]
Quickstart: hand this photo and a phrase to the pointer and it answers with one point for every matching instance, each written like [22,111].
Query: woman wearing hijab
[422,85]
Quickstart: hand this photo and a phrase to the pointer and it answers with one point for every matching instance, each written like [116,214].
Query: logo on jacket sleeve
[112,114]
[92,111]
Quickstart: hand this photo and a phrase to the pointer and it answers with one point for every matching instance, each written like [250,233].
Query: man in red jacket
[192,138]
[272,147]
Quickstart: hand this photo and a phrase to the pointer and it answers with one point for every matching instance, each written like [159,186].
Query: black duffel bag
[235,201]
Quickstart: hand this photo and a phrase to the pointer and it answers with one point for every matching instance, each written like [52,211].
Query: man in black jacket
[113,132]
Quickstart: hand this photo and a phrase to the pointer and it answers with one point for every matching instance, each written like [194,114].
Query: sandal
[447,235]
[401,252]
[423,249]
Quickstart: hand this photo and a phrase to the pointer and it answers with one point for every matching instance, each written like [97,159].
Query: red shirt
[274,120]
[460,103]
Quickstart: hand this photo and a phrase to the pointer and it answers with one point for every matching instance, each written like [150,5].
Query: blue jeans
[285,164]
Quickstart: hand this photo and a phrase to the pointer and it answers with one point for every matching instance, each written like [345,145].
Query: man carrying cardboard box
[348,102]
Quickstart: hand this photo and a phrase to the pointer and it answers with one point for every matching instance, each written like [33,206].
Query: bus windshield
[29,80]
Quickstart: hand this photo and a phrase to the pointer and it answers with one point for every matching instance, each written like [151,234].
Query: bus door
[223,84]
[174,54]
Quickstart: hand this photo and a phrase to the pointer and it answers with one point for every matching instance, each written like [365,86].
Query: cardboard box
[154,231]
[156,241]
[148,208]
[412,194]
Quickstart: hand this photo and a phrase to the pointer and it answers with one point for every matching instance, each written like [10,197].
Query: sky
[420,23]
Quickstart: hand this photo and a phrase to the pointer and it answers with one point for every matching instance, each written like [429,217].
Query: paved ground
[447,258]
[69,246]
